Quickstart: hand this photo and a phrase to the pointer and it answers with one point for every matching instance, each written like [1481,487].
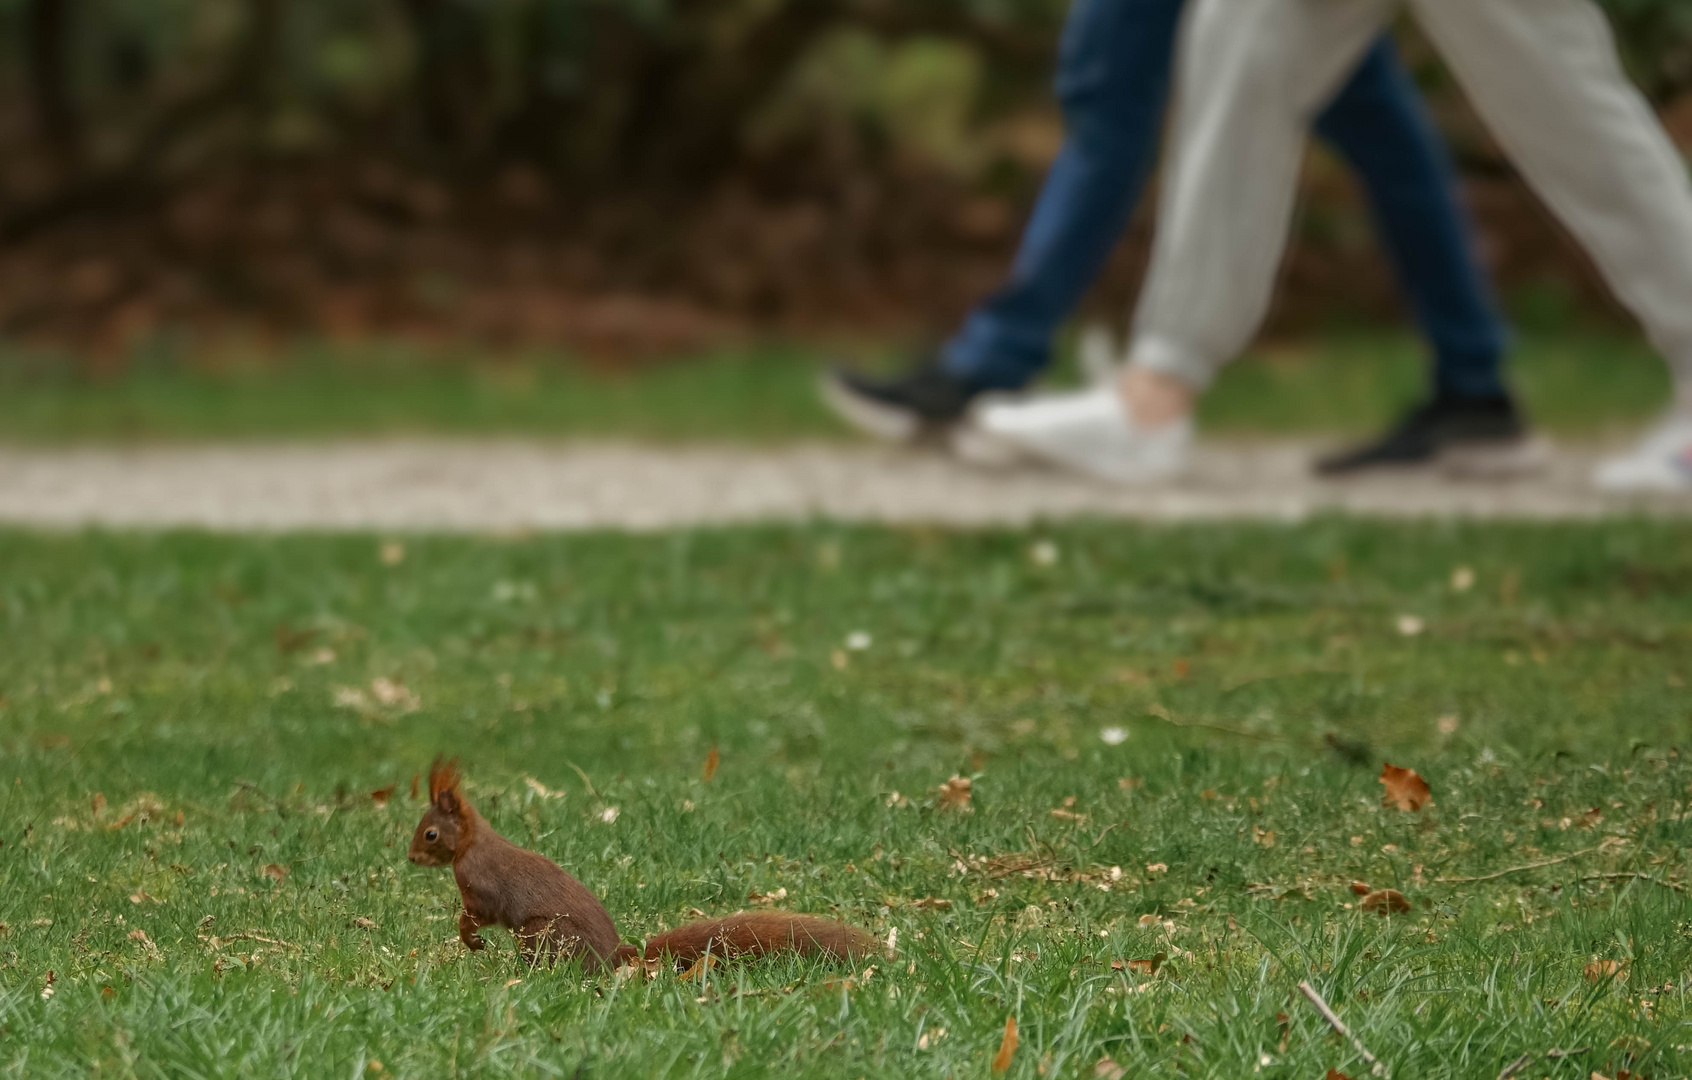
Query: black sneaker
[1464,435]
[924,402]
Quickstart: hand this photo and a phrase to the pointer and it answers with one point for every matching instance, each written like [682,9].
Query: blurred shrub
[380,163]
[612,91]
[597,91]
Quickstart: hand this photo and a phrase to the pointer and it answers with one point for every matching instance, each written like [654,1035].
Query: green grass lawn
[1576,383]
[180,712]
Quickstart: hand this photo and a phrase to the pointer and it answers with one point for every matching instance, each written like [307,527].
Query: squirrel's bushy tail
[757,933]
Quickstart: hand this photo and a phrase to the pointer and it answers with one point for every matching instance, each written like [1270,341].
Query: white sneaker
[1662,461]
[1088,431]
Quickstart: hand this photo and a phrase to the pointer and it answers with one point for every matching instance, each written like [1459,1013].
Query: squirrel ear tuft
[443,779]
[447,802]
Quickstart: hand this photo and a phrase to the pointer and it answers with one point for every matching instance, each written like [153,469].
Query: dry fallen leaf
[773,897]
[392,692]
[1157,868]
[1405,789]
[99,803]
[1335,1074]
[382,794]
[697,972]
[955,793]
[1007,1047]
[274,871]
[146,943]
[638,968]
[711,760]
[540,789]
[1599,970]
[1361,888]
[392,553]
[1385,902]
[932,903]
[1140,967]
[364,924]
[1131,783]
[1108,1069]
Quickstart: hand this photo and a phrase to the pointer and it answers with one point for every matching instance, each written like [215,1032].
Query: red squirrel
[553,915]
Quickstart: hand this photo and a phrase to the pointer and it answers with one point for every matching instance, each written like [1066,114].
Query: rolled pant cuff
[1168,357]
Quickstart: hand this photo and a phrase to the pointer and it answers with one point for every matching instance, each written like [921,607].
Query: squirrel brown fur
[552,915]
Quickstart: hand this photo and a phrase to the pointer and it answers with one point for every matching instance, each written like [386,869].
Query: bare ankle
[1154,399]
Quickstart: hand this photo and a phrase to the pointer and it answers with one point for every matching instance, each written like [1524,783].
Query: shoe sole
[1464,461]
[870,417]
[974,446]
[1495,461]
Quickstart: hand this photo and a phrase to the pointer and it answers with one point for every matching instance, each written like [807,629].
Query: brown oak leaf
[955,793]
[1405,789]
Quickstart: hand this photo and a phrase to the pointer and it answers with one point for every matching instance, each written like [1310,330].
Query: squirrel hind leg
[543,940]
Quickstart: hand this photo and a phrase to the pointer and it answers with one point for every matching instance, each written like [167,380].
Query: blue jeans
[1113,82]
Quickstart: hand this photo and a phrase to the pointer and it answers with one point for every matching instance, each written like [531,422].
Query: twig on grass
[585,780]
[1612,841]
[1159,712]
[219,942]
[1328,1014]
[1526,1059]
[1516,1066]
[1635,875]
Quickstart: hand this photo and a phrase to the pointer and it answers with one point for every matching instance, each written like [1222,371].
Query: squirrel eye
[431,835]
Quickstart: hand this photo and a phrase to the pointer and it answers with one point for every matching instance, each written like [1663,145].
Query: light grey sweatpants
[1544,75]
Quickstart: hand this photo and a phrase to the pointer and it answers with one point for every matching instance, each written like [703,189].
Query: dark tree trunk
[452,74]
[47,30]
[685,121]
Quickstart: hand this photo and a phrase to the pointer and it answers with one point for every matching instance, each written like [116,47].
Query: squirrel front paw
[467,927]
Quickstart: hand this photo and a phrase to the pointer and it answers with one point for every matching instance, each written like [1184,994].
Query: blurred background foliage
[620,175]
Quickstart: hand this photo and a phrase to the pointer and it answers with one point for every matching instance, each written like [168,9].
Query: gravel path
[503,486]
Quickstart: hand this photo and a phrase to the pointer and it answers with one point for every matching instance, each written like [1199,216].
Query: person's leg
[1380,125]
[1251,76]
[1469,422]
[1546,77]
[1113,83]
